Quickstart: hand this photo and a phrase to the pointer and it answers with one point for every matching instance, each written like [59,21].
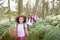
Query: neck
[20,23]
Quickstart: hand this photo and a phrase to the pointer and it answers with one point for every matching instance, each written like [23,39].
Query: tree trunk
[59,5]
[43,1]
[27,8]
[9,11]
[20,6]
[36,4]
[47,8]
[52,7]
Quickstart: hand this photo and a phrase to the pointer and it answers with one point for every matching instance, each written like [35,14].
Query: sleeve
[35,17]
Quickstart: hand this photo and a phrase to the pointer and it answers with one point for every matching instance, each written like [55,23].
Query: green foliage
[0,17]
[52,34]
[6,28]
[53,20]
[47,29]
[14,13]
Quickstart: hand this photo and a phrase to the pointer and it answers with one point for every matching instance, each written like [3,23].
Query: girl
[29,20]
[34,17]
[21,27]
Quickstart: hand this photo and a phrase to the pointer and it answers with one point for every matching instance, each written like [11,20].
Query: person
[29,20]
[34,17]
[21,27]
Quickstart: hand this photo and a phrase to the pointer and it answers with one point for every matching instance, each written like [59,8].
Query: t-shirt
[20,30]
[34,17]
[30,22]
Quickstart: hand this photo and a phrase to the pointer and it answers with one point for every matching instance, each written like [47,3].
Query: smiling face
[21,20]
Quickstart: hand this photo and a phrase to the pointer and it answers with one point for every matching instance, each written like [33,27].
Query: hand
[27,33]
[14,33]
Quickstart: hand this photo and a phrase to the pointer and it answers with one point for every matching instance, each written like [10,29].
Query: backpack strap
[24,28]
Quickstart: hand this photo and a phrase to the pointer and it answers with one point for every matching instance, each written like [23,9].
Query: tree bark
[43,1]
[9,11]
[47,8]
[59,5]
[36,4]
[20,6]
[52,7]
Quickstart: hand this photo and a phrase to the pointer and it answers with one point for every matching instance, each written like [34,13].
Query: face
[33,13]
[29,16]
[21,19]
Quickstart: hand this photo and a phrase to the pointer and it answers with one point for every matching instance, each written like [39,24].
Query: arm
[15,31]
[26,31]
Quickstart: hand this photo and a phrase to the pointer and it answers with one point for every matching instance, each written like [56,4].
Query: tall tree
[59,5]
[46,7]
[1,7]
[36,4]
[52,7]
[9,11]
[20,6]
[43,4]
[28,7]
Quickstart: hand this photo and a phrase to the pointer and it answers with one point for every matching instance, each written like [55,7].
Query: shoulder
[25,24]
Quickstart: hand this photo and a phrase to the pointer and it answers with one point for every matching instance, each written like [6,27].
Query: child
[34,17]
[21,27]
[29,20]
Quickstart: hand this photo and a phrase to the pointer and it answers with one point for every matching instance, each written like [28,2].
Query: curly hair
[17,18]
